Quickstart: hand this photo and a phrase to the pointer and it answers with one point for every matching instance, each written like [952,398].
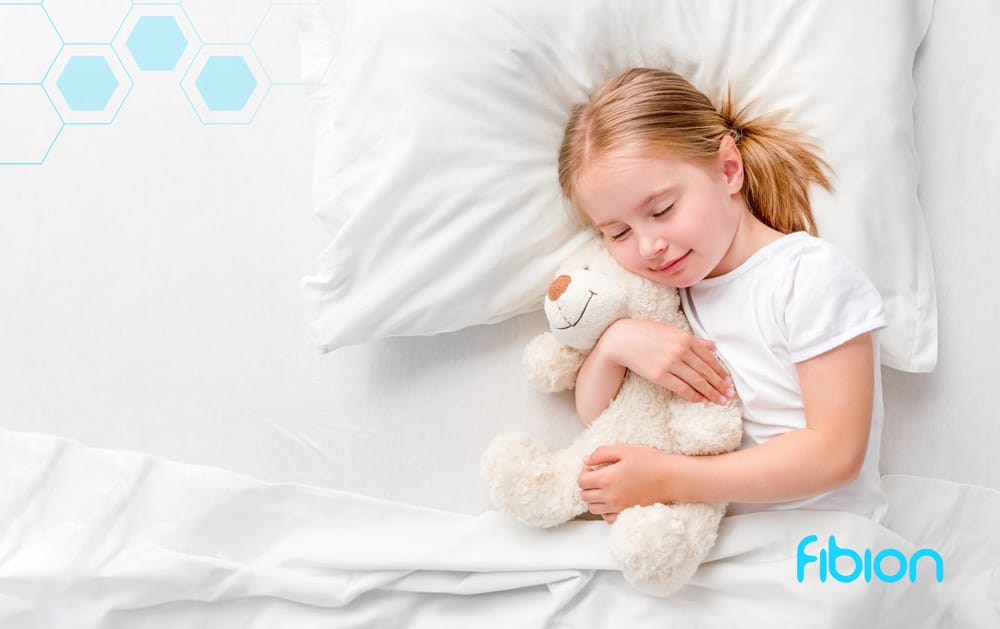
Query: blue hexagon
[226,83]
[87,82]
[156,42]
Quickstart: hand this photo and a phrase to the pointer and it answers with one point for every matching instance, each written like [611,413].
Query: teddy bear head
[589,293]
[581,304]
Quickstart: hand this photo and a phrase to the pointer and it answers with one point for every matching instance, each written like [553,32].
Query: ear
[731,164]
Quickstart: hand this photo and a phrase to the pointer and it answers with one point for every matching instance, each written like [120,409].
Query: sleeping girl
[703,199]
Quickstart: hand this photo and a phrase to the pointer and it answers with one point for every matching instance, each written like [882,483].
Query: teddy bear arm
[551,366]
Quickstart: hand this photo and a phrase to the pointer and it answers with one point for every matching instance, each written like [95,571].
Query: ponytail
[778,164]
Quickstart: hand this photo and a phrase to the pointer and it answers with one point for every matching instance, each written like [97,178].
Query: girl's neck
[751,236]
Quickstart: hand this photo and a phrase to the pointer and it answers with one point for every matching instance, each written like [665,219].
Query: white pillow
[439,121]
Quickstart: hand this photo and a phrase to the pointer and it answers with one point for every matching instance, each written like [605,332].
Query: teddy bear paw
[661,546]
[526,482]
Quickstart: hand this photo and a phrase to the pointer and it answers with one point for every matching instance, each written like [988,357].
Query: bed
[178,450]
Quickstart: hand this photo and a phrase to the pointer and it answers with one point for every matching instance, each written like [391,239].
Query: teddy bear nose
[558,287]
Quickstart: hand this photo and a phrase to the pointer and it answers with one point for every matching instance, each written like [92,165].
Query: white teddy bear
[659,546]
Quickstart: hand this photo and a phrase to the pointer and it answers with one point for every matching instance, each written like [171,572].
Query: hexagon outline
[55,137]
[341,9]
[72,117]
[54,30]
[174,10]
[295,5]
[249,112]
[226,42]
[84,42]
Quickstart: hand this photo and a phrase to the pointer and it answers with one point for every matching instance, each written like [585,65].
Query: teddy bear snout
[558,287]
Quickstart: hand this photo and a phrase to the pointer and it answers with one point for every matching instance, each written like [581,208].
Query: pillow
[438,124]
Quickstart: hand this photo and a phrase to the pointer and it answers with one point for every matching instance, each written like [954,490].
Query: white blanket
[99,538]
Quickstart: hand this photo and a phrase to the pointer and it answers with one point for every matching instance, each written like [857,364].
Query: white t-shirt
[793,299]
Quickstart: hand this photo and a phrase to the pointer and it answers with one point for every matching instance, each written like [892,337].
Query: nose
[558,287]
[651,245]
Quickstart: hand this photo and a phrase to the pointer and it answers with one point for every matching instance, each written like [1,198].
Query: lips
[672,263]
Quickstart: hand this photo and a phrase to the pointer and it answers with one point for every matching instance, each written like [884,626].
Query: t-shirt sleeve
[827,302]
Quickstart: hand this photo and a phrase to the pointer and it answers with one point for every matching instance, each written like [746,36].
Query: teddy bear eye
[586,268]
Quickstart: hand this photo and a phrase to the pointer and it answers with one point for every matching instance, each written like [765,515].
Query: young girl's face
[669,220]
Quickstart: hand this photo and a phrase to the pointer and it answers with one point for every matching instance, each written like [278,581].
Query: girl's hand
[618,477]
[669,357]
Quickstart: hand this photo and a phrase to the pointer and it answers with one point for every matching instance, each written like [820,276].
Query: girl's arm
[597,383]
[658,352]
[837,392]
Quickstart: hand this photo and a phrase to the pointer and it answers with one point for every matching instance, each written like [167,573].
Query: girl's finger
[603,455]
[706,354]
[587,479]
[714,385]
[696,381]
[598,508]
[681,388]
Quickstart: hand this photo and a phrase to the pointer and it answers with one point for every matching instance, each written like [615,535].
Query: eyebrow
[645,202]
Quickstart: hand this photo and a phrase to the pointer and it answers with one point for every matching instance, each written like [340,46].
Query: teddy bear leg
[534,485]
[661,546]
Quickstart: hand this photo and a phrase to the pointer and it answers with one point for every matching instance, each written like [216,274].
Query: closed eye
[625,231]
[620,234]
[664,210]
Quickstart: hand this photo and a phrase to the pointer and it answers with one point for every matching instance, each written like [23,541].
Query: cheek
[626,254]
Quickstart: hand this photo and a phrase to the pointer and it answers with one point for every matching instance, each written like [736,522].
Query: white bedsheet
[103,538]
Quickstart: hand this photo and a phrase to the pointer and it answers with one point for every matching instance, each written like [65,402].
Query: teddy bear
[659,546]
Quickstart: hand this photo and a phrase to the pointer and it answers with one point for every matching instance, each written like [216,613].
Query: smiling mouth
[673,263]
[572,325]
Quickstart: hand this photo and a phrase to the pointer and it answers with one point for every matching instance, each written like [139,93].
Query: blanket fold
[93,538]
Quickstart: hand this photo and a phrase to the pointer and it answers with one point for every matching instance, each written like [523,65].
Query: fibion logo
[888,565]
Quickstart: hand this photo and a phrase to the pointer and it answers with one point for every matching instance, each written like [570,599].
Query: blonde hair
[650,111]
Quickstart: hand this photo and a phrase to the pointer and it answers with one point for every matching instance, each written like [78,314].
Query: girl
[717,206]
